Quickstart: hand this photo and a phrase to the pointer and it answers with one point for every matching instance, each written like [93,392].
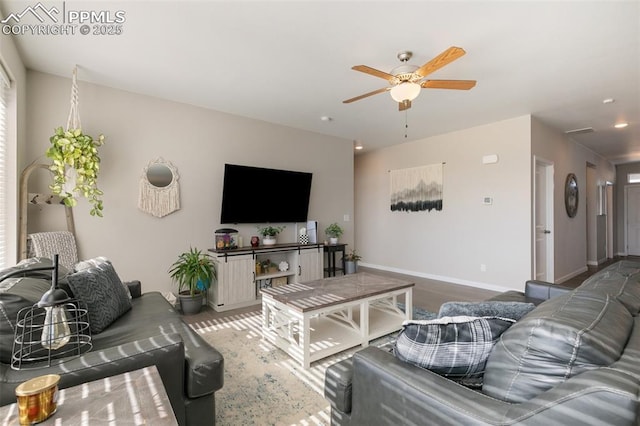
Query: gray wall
[198,142]
[571,235]
[452,244]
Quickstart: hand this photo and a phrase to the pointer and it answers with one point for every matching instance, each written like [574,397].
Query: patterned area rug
[262,384]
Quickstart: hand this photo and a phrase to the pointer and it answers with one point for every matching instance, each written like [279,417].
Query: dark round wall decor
[571,195]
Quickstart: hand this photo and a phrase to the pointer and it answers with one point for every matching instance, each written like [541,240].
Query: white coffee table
[316,319]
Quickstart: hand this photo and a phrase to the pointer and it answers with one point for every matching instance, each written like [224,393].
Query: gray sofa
[573,360]
[151,332]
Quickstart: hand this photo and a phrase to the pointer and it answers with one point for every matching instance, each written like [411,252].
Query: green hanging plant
[71,149]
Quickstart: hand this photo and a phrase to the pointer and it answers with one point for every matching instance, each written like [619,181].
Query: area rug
[262,384]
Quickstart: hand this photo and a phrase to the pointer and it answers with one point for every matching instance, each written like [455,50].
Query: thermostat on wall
[490,159]
[487,201]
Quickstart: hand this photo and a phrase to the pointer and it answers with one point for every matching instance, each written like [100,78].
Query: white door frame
[549,173]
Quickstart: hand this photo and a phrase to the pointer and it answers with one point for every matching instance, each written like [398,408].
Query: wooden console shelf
[237,283]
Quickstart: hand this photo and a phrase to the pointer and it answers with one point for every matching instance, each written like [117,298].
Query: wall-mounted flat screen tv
[261,195]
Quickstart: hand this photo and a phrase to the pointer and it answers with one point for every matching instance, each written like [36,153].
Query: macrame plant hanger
[73,122]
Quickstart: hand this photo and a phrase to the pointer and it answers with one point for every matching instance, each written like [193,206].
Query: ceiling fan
[407,80]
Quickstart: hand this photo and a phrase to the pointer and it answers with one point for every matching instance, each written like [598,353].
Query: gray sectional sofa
[146,331]
[573,360]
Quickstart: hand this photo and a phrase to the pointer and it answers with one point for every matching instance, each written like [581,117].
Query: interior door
[633,220]
[543,221]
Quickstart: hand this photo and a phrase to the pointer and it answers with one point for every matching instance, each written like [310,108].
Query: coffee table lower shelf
[318,333]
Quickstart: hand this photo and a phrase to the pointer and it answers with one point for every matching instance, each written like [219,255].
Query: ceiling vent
[579,131]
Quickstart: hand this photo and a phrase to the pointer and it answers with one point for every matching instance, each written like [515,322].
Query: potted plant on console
[333,231]
[351,262]
[269,234]
[193,272]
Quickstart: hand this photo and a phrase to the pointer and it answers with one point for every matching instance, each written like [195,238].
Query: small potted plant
[333,231]
[351,262]
[269,234]
[193,272]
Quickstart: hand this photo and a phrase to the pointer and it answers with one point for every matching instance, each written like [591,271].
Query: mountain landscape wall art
[417,189]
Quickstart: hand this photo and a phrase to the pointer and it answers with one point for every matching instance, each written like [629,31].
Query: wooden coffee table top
[134,398]
[326,292]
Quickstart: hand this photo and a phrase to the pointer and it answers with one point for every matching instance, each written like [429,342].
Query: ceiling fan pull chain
[406,125]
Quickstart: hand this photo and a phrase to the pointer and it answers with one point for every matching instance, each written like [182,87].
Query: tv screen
[261,195]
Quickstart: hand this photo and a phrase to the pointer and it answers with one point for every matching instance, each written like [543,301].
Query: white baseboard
[475,284]
[597,262]
[571,275]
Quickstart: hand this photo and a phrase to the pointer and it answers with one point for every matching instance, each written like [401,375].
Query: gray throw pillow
[99,262]
[500,309]
[454,347]
[103,292]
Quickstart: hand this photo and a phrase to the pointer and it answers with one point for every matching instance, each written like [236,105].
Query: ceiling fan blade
[366,95]
[448,84]
[372,71]
[449,55]
[406,104]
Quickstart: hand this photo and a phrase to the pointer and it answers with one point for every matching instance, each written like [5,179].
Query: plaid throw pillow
[454,347]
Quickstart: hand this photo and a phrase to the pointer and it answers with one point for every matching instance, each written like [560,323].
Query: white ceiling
[290,62]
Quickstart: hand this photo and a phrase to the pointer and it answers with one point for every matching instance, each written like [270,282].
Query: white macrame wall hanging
[159,193]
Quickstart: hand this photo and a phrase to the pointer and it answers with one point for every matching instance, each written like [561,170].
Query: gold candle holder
[37,399]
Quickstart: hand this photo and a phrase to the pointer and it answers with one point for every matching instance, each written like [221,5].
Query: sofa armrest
[543,290]
[387,391]
[204,364]
[135,288]
[338,381]
[163,351]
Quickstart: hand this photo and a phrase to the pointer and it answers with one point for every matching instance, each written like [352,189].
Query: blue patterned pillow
[454,347]
[103,292]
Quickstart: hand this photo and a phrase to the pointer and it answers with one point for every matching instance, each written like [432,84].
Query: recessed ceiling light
[620,125]
[608,101]
[357,144]
[326,118]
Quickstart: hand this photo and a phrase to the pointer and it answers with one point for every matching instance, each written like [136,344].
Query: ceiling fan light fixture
[404,91]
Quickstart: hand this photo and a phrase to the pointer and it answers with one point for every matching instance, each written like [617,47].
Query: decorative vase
[190,305]
[269,240]
[71,176]
[333,240]
[350,267]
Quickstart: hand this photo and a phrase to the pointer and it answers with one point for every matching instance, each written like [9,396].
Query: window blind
[4,179]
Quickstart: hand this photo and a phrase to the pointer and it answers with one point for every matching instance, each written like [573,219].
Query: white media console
[238,281]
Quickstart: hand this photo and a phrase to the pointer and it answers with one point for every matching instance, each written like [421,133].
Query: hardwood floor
[427,294]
